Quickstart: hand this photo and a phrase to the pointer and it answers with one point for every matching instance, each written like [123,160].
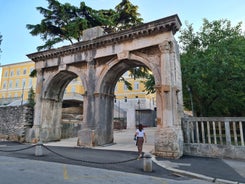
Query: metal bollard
[39,149]
[147,162]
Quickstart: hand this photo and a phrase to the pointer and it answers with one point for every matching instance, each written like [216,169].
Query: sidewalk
[209,169]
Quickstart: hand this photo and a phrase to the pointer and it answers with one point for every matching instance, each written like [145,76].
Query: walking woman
[140,139]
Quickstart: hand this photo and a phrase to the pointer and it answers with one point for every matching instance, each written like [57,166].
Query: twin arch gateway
[99,61]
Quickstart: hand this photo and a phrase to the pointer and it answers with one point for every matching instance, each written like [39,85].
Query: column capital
[165,47]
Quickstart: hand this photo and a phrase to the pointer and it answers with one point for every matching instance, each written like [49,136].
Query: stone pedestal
[86,138]
[38,149]
[169,142]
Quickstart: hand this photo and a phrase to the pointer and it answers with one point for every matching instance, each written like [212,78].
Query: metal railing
[214,130]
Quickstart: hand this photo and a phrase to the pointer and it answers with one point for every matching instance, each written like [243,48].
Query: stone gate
[99,61]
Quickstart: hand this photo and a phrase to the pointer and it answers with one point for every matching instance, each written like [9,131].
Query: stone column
[51,113]
[104,105]
[86,134]
[168,138]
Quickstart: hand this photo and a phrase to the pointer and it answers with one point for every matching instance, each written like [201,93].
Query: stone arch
[105,86]
[54,88]
[81,73]
[51,98]
[115,65]
[99,62]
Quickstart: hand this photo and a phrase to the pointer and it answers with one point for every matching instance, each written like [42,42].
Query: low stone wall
[14,122]
[215,151]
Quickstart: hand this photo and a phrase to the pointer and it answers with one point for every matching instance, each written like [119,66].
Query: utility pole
[22,96]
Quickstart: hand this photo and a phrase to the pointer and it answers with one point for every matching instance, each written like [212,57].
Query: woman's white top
[140,133]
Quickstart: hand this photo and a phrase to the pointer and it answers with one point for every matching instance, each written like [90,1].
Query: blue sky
[15,14]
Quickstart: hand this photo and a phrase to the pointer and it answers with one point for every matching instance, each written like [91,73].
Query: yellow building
[15,81]
[137,94]
[16,84]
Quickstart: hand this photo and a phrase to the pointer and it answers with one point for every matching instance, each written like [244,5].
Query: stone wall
[211,150]
[14,122]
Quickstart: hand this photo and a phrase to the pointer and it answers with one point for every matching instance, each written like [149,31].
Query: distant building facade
[16,82]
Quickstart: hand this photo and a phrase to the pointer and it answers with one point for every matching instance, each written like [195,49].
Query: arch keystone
[62,67]
[123,55]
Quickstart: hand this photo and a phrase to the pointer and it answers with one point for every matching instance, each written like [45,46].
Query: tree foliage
[126,15]
[65,22]
[31,98]
[213,68]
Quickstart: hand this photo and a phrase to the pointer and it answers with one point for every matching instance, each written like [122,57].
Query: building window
[125,87]
[18,72]
[16,95]
[73,89]
[24,71]
[17,83]
[6,74]
[10,84]
[12,73]
[136,85]
[4,85]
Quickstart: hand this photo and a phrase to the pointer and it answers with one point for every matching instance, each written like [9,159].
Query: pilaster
[168,138]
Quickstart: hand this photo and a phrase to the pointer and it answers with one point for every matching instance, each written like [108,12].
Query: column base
[169,142]
[86,138]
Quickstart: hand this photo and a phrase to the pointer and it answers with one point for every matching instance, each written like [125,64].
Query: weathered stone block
[169,142]
[86,138]
[92,33]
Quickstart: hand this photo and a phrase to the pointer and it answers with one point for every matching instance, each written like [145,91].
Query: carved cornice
[171,23]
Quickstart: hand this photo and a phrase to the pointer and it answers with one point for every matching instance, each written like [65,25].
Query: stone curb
[195,175]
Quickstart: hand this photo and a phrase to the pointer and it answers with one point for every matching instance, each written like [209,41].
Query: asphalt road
[16,170]
[70,162]
[79,165]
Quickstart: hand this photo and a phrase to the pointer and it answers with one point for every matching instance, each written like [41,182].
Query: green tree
[127,15]
[65,22]
[213,68]
[31,98]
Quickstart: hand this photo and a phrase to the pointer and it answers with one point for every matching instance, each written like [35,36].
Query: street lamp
[22,98]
